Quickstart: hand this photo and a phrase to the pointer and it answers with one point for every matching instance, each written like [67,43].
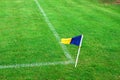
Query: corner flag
[76,41]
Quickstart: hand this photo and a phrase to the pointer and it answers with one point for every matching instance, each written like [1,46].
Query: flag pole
[78,52]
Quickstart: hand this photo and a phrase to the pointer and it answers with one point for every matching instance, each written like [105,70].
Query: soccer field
[30,33]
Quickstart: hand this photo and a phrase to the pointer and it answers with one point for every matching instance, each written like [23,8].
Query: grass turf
[26,38]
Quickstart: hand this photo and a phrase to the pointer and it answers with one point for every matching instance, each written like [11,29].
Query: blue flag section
[76,40]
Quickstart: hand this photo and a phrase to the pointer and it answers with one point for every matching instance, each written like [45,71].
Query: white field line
[44,63]
[35,64]
[66,52]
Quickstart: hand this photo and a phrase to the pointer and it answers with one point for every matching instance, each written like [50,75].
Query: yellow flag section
[66,40]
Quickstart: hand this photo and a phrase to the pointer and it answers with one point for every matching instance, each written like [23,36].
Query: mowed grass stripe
[25,36]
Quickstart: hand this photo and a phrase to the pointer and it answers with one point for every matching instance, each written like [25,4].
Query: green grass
[26,38]
[23,38]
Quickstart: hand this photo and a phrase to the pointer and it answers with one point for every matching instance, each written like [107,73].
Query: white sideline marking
[66,52]
[35,64]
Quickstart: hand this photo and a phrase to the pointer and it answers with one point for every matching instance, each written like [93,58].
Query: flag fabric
[66,40]
[75,40]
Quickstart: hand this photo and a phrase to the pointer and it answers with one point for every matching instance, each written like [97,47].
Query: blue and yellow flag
[75,40]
